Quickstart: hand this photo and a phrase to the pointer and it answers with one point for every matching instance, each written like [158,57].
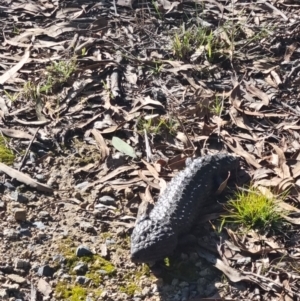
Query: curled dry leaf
[21,177]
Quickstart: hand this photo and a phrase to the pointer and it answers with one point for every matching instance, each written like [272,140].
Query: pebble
[185,294]
[20,214]
[40,177]
[146,290]
[24,232]
[43,214]
[87,227]
[44,287]
[83,251]
[2,205]
[82,280]
[18,197]
[3,294]
[183,284]
[82,185]
[107,200]
[80,267]
[128,193]
[39,225]
[9,186]
[16,278]
[45,270]
[22,264]
[205,272]
[59,258]
[11,233]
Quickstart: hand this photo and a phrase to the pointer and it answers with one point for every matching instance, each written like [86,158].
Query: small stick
[28,148]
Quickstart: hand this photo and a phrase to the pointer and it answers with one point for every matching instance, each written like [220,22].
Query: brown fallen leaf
[239,150]
[18,134]
[101,144]
[23,178]
[11,72]
[148,181]
[283,171]
[258,93]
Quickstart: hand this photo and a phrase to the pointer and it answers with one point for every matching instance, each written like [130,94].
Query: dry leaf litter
[101,102]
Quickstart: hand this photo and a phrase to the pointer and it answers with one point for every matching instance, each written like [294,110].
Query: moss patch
[69,292]
[6,155]
[130,287]
[97,267]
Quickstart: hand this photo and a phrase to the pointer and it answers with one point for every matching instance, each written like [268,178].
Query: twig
[28,148]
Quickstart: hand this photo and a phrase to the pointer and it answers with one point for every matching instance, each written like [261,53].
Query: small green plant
[186,41]
[252,209]
[158,125]
[30,90]
[12,96]
[16,30]
[83,51]
[157,69]
[59,72]
[156,9]
[217,107]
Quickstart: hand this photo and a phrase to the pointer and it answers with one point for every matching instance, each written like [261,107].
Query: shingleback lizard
[156,234]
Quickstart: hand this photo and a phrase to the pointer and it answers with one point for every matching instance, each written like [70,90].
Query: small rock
[59,258]
[184,294]
[82,185]
[102,272]
[128,193]
[107,200]
[205,272]
[22,264]
[11,233]
[16,278]
[2,205]
[82,280]
[41,235]
[80,267]
[20,214]
[24,232]
[44,287]
[18,197]
[103,250]
[194,256]
[40,177]
[43,214]
[39,225]
[45,270]
[9,186]
[146,290]
[183,284]
[66,277]
[83,251]
[3,294]
[87,227]
[110,241]
[11,286]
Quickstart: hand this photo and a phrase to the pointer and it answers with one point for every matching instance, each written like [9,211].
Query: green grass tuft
[252,209]
[6,155]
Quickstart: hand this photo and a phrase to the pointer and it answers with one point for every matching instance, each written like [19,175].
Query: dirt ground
[101,102]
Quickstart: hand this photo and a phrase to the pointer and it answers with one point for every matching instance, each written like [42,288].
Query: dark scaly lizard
[156,234]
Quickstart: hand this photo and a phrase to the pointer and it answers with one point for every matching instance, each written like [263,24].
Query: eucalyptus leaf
[123,147]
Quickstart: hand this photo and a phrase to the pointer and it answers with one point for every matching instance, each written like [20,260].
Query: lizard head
[151,241]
